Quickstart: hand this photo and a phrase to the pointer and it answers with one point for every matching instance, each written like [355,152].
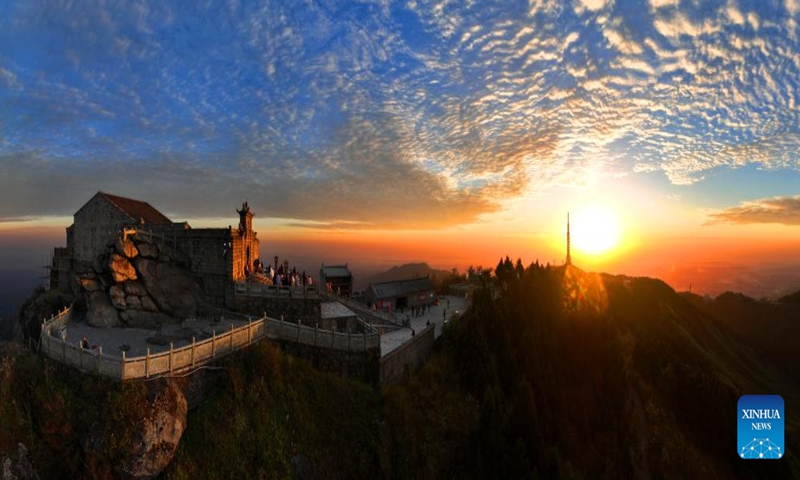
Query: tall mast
[569,259]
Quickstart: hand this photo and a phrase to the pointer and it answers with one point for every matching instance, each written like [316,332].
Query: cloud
[793,7]
[782,210]
[431,113]
[591,5]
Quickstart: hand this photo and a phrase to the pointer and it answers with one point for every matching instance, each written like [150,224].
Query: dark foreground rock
[20,468]
[155,436]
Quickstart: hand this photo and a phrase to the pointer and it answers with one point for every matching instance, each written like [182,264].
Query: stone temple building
[337,279]
[216,257]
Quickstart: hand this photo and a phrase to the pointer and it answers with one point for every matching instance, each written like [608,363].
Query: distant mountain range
[409,270]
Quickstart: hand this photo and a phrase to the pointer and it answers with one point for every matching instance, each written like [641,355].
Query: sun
[595,230]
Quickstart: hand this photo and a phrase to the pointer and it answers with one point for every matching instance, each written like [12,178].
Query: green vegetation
[51,409]
[552,373]
[275,410]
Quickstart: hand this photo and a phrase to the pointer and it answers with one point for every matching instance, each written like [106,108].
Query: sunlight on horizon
[595,230]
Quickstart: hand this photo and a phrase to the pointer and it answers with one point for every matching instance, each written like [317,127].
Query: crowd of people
[281,276]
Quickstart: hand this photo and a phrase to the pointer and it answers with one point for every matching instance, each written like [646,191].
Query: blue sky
[408,114]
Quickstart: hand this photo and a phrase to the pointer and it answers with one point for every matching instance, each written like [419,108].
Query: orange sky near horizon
[711,264]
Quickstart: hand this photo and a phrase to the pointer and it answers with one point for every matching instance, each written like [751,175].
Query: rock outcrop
[169,286]
[158,433]
[148,250]
[121,268]
[155,433]
[126,248]
[19,469]
[117,294]
[100,312]
[138,283]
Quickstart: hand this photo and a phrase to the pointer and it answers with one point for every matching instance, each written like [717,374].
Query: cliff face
[153,438]
[138,283]
[19,468]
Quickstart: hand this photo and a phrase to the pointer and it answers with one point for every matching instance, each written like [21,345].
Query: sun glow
[595,230]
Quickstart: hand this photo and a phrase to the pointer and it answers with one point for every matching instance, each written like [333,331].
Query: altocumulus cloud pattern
[409,107]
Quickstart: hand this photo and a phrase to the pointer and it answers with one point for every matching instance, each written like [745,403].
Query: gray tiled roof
[401,288]
[332,271]
[334,310]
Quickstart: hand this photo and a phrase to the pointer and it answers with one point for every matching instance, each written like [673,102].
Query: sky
[453,132]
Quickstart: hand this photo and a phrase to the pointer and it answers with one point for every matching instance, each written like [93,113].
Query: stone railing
[258,289]
[197,353]
[366,327]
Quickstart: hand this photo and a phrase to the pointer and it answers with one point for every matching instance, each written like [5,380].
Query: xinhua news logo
[761,421]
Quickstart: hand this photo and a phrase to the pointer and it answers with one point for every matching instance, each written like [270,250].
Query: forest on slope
[576,375]
[551,373]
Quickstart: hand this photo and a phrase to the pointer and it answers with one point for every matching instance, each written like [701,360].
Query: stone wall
[241,244]
[209,260]
[412,354]
[364,365]
[304,310]
[96,225]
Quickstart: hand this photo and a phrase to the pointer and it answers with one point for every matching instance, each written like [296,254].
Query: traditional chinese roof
[137,210]
[336,271]
[402,287]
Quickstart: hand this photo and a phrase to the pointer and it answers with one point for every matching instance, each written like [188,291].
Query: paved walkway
[392,340]
[136,341]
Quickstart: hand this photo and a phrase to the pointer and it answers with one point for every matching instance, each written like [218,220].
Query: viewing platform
[125,354]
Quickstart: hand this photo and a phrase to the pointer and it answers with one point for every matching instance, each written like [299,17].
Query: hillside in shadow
[561,373]
[551,373]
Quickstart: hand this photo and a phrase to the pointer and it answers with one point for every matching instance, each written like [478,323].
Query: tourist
[84,342]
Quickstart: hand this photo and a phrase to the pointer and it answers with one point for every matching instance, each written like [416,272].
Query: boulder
[148,304]
[105,280]
[99,310]
[134,288]
[89,284]
[148,250]
[117,294]
[121,268]
[143,319]
[157,436]
[172,288]
[155,432]
[21,468]
[126,248]
[133,302]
